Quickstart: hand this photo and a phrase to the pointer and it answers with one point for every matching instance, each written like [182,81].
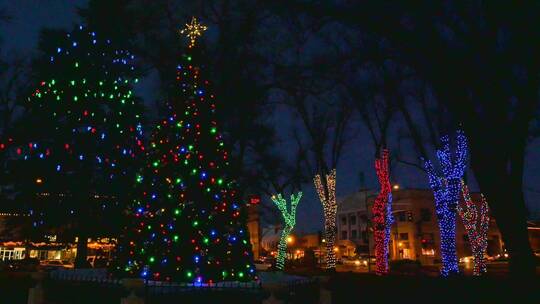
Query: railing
[159,287]
[70,285]
[83,275]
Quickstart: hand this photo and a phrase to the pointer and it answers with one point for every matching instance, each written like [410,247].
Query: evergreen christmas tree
[189,221]
[76,149]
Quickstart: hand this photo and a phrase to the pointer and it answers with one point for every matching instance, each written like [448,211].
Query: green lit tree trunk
[289,218]
[282,247]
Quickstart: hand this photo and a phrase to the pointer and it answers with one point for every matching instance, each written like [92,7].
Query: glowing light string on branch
[446,190]
[476,221]
[382,214]
[289,218]
[328,200]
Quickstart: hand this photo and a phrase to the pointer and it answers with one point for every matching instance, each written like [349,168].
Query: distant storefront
[100,247]
[414,233]
[11,251]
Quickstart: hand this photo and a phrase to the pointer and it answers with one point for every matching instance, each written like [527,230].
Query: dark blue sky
[29,16]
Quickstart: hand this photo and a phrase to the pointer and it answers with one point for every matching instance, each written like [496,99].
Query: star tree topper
[193,30]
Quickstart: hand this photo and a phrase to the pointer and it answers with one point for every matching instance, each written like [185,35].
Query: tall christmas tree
[189,223]
[74,151]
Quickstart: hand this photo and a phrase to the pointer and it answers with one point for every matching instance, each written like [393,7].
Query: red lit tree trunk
[476,222]
[381,210]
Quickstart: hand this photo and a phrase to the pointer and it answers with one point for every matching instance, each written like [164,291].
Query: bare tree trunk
[82,248]
[500,178]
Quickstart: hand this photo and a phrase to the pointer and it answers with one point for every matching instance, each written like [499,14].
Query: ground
[348,285]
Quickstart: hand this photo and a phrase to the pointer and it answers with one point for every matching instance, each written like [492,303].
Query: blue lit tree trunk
[289,220]
[446,190]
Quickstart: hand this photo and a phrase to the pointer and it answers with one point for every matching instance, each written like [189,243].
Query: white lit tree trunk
[326,189]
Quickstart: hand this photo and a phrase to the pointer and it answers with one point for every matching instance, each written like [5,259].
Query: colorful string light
[328,200]
[189,225]
[476,222]
[446,190]
[289,219]
[382,214]
[87,125]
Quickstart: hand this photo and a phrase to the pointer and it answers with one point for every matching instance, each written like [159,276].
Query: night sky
[29,16]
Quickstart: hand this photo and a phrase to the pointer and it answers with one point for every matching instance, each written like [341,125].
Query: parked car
[466,259]
[354,261]
[364,258]
[55,264]
[98,261]
[262,265]
[501,257]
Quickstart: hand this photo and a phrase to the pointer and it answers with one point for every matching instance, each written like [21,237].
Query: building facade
[415,231]
[254,228]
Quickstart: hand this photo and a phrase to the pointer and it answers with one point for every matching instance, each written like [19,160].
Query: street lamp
[290,239]
[396,187]
[39,180]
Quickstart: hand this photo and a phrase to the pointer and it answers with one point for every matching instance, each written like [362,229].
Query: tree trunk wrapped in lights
[382,216]
[327,195]
[446,190]
[289,218]
[476,222]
